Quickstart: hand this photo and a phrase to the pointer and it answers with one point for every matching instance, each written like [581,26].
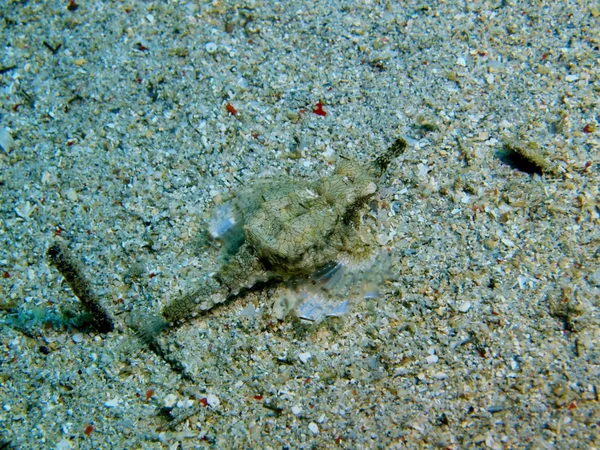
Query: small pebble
[24,210]
[169,401]
[296,410]
[6,140]
[77,338]
[242,83]
[112,403]
[507,242]
[72,195]
[432,359]
[64,445]
[304,357]
[46,177]
[313,427]
[212,400]
[211,47]
[464,307]
[185,403]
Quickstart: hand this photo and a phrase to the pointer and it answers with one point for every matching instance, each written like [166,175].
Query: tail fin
[147,329]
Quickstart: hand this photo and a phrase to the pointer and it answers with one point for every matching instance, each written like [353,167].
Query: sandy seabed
[123,123]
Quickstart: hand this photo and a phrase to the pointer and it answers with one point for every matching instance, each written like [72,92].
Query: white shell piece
[6,140]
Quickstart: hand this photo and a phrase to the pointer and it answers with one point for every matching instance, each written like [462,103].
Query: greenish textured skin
[292,228]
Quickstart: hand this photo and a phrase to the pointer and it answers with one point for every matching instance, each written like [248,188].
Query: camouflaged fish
[285,229]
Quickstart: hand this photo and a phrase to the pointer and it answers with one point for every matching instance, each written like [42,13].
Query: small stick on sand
[61,258]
